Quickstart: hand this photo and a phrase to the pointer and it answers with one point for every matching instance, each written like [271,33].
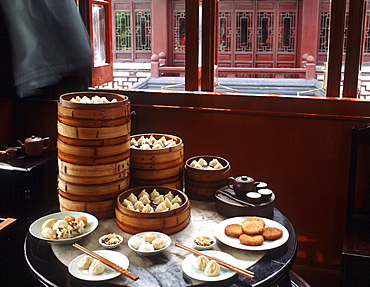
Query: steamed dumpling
[154,194]
[136,242]
[152,139]
[169,195]
[201,262]
[175,205]
[168,203]
[49,223]
[139,206]
[159,243]
[85,262]
[142,193]
[60,224]
[96,267]
[214,162]
[159,199]
[218,166]
[202,162]
[212,268]
[145,199]
[132,197]
[161,207]
[147,208]
[126,203]
[176,199]
[146,246]
[49,233]
[149,237]
[64,233]
[78,228]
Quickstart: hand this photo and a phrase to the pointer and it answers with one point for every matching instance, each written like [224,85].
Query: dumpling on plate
[201,262]
[96,267]
[212,268]
[85,262]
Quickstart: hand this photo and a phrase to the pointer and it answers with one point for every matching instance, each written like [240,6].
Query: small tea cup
[11,152]
[2,154]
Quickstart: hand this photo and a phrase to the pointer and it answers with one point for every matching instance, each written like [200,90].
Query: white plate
[234,242]
[92,223]
[108,273]
[188,266]
[150,253]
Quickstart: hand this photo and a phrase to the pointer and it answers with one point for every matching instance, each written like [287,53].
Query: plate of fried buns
[251,233]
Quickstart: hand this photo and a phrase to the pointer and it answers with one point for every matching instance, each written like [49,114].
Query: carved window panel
[225,31]
[244,31]
[143,31]
[179,31]
[123,31]
[287,32]
[265,31]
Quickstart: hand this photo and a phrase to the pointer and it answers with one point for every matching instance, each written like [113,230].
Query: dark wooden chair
[356,245]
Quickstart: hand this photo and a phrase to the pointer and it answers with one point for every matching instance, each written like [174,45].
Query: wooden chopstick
[245,273]
[107,262]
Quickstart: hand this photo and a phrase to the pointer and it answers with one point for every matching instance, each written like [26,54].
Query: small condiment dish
[204,242]
[110,241]
[139,244]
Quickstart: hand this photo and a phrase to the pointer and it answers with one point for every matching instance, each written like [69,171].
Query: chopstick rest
[245,273]
[107,262]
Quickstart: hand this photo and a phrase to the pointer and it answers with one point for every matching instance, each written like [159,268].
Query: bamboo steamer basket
[157,167]
[168,222]
[93,152]
[201,184]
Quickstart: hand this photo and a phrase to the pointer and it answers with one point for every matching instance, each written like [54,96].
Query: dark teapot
[34,146]
[241,185]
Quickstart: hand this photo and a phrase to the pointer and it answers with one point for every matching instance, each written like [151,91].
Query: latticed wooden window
[265,31]
[244,31]
[287,32]
[324,32]
[179,31]
[367,33]
[225,32]
[143,31]
[123,31]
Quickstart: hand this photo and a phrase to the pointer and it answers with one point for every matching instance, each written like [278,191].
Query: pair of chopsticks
[107,262]
[6,222]
[245,273]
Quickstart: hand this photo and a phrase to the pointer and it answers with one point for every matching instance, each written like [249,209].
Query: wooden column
[357,10]
[208,44]
[191,44]
[337,16]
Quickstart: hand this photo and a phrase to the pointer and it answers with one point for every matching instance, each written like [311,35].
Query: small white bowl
[135,237]
[204,238]
[105,243]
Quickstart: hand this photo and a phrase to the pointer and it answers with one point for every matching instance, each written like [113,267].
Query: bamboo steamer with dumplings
[145,216]
[156,160]
[204,175]
[93,151]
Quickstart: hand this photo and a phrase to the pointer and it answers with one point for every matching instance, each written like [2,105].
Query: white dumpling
[168,203]
[201,262]
[159,243]
[96,267]
[147,208]
[157,146]
[176,199]
[49,233]
[64,233]
[159,199]
[133,142]
[194,163]
[132,197]
[127,203]
[175,205]
[212,268]
[49,223]
[142,193]
[152,139]
[154,194]
[145,146]
[85,262]
[163,140]
[169,195]
[149,237]
[136,242]
[146,246]
[145,199]
[161,207]
[218,166]
[202,162]
[60,224]
[139,206]
[214,162]
[141,140]
[78,228]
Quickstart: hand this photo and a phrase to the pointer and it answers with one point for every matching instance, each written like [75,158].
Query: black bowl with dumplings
[169,221]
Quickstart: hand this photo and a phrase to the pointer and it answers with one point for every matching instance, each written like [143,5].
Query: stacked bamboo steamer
[93,152]
[157,167]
